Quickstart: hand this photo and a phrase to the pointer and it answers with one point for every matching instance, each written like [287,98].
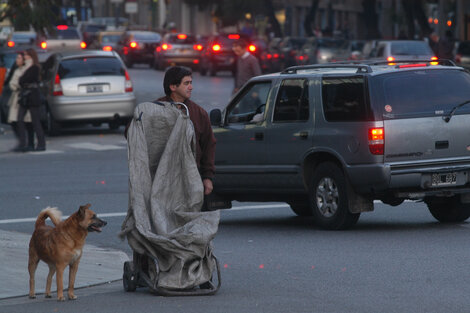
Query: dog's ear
[82,209]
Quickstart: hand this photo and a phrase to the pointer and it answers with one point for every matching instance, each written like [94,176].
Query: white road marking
[94,146]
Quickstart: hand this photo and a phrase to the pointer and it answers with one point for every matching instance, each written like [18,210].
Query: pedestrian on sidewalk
[247,65]
[30,81]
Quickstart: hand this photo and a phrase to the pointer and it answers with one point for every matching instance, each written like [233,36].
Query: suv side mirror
[216,117]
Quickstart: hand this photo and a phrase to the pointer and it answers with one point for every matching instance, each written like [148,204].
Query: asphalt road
[396,259]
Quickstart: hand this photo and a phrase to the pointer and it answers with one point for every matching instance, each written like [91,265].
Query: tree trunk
[408,8]
[272,18]
[310,18]
[420,16]
[371,19]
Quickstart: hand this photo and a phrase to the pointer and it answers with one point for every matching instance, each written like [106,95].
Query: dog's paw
[32,296]
[60,299]
[72,297]
[48,296]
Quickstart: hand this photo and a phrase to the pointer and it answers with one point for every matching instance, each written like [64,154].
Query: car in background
[107,40]
[87,86]
[290,50]
[394,50]
[90,32]
[5,32]
[324,50]
[137,46]
[178,49]
[61,38]
[21,39]
[111,23]
[462,56]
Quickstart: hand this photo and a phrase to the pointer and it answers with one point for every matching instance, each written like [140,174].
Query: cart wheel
[129,278]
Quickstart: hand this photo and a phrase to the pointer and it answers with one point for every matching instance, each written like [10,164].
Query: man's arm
[255,67]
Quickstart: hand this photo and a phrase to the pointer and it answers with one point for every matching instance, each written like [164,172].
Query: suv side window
[343,99]
[292,101]
[250,106]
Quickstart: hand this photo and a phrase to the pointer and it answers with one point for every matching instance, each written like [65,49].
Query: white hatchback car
[87,87]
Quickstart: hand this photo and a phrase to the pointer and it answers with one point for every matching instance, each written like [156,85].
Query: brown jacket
[205,148]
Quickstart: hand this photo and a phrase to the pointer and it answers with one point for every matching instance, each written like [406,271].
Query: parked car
[138,47]
[462,57]
[324,50]
[330,139]
[178,49]
[87,87]
[62,38]
[21,39]
[392,50]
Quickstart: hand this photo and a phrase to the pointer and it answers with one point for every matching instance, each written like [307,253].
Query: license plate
[94,88]
[443,179]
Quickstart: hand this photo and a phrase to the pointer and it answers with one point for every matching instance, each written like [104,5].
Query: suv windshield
[90,66]
[420,93]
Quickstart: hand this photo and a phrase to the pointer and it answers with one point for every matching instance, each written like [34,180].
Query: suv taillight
[57,89]
[376,140]
[128,84]
[216,48]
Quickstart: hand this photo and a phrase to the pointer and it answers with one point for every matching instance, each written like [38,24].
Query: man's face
[183,90]
[238,50]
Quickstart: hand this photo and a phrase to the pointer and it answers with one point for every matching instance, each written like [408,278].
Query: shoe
[40,149]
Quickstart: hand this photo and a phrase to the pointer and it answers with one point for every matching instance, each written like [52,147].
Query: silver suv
[330,139]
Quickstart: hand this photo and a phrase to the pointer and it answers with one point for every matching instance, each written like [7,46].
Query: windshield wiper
[448,117]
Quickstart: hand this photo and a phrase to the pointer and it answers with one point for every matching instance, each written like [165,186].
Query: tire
[129,277]
[448,210]
[329,198]
[53,128]
[301,208]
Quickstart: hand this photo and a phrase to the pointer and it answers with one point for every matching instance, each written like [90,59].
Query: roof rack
[361,68]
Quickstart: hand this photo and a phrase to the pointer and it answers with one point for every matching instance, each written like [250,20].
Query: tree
[38,14]
[310,18]
[414,10]
[371,19]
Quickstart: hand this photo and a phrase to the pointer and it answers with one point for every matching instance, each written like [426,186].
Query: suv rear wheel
[448,210]
[329,198]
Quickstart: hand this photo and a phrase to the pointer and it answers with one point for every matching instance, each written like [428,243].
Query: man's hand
[207,186]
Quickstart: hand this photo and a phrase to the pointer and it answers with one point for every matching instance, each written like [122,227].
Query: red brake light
[128,84]
[11,44]
[182,36]
[166,46]
[434,58]
[252,48]
[412,65]
[107,48]
[216,47]
[57,89]
[269,56]
[390,59]
[376,140]
[234,36]
[43,45]
[133,44]
[82,45]
[197,47]
[62,27]
[195,61]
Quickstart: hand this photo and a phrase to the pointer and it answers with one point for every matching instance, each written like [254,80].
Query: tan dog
[60,246]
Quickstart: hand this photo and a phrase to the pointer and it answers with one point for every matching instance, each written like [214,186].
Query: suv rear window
[64,34]
[410,48]
[189,39]
[344,99]
[421,93]
[90,66]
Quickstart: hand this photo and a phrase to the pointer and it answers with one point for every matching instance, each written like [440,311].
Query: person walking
[30,81]
[178,85]
[17,70]
[247,65]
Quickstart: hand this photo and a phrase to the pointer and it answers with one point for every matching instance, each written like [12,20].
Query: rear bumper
[65,108]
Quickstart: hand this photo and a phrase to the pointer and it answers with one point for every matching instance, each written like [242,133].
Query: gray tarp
[166,194]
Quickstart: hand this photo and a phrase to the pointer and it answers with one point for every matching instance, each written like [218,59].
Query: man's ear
[173,87]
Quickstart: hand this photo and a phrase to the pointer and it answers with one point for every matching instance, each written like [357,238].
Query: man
[247,64]
[178,85]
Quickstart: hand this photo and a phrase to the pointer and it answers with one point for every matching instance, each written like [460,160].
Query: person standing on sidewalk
[13,83]
[247,65]
[30,80]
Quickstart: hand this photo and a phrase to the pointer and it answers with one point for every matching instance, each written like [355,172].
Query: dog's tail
[53,213]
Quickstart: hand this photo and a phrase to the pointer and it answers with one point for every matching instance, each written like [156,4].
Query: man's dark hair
[173,76]
[241,43]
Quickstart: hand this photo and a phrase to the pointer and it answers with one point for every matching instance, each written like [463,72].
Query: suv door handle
[259,136]
[303,135]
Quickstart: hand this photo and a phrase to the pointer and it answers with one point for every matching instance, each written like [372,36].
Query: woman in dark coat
[30,80]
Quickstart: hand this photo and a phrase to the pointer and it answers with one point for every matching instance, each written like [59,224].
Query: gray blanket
[166,193]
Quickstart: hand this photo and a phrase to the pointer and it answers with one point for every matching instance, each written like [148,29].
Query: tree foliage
[38,14]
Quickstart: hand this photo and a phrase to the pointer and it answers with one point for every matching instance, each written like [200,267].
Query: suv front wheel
[448,210]
[329,198]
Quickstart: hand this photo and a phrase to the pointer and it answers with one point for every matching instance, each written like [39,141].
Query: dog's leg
[49,280]
[32,266]
[73,268]
[60,281]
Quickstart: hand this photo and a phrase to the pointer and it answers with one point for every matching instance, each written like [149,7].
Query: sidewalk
[97,266]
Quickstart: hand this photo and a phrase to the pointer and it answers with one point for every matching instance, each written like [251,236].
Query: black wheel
[53,128]
[301,208]
[129,277]
[329,198]
[448,210]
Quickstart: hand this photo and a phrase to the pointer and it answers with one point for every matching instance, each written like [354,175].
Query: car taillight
[134,45]
[436,58]
[216,47]
[62,27]
[182,36]
[128,84]
[82,45]
[376,140]
[233,36]
[57,89]
[196,61]
[11,44]
[197,47]
[107,48]
[413,65]
[269,56]
[252,48]
[390,59]
[166,46]
[43,45]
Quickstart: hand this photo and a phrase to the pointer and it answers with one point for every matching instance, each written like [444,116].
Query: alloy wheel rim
[327,197]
